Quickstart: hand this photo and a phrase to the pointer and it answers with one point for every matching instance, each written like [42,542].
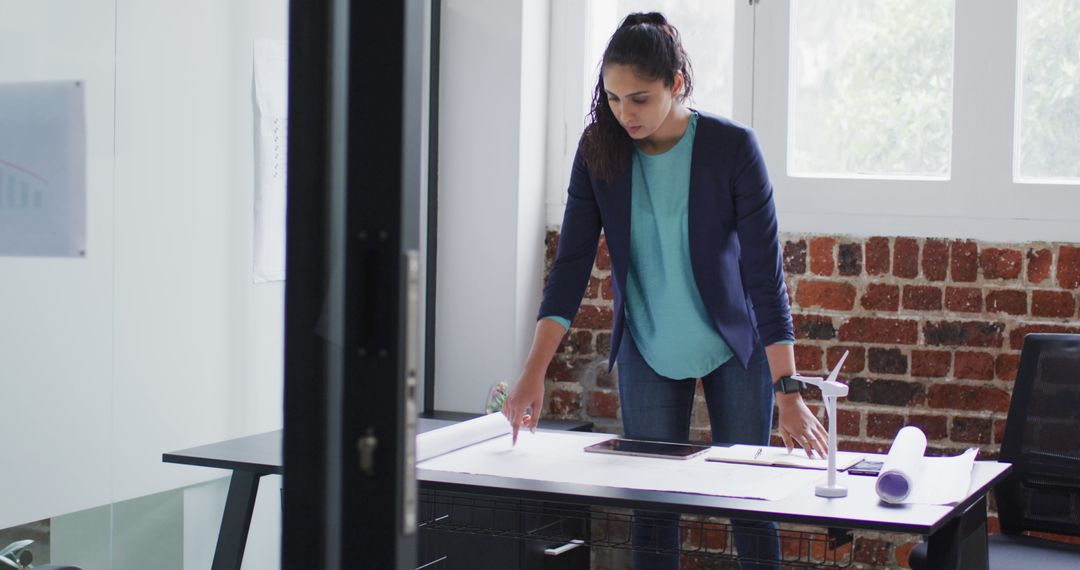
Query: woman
[685,204]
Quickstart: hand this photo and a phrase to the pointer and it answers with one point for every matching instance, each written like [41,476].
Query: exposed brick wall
[933,326]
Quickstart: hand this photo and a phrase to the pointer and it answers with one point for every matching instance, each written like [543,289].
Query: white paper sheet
[43,169]
[271,97]
[909,477]
[559,457]
[945,480]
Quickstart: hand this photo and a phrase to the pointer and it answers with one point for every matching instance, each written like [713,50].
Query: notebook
[779,457]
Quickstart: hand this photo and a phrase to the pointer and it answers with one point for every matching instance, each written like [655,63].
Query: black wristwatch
[787,385]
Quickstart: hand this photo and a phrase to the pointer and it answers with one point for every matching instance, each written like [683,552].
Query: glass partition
[164,330]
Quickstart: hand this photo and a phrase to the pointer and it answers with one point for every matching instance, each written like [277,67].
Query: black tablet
[648,448]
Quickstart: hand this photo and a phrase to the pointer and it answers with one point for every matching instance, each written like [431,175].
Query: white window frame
[982,199]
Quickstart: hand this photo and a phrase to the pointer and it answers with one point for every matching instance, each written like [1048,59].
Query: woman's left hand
[799,427]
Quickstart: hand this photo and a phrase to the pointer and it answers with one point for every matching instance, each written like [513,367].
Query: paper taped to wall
[271,97]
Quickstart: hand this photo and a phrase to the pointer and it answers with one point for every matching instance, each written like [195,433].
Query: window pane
[706,27]
[871,88]
[1048,148]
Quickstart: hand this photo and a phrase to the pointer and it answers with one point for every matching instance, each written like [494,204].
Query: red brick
[971,430]
[872,551]
[826,294]
[887,361]
[849,259]
[836,557]
[593,290]
[564,403]
[603,258]
[906,258]
[813,327]
[1005,366]
[1068,267]
[606,291]
[551,245]
[963,333]
[877,256]
[855,362]
[922,298]
[795,257]
[821,255]
[936,427]
[603,404]
[999,431]
[879,297]
[576,342]
[1016,337]
[567,368]
[1039,263]
[603,344]
[847,422]
[977,398]
[1053,304]
[880,331]
[973,366]
[863,446]
[886,392]
[902,553]
[1001,263]
[697,534]
[593,317]
[930,363]
[808,358]
[883,426]
[963,299]
[935,263]
[964,263]
[1007,301]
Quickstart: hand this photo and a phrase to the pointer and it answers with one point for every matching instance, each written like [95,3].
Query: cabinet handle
[564,548]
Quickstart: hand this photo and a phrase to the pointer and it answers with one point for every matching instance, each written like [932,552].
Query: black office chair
[1042,442]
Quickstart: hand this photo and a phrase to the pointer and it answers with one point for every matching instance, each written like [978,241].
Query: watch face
[787,385]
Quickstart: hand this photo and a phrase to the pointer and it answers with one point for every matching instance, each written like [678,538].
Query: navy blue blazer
[734,242]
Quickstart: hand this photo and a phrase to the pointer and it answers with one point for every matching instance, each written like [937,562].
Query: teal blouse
[664,310]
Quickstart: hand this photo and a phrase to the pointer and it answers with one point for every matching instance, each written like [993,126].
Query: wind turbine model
[830,391]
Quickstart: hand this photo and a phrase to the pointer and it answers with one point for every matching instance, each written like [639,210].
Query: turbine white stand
[830,391]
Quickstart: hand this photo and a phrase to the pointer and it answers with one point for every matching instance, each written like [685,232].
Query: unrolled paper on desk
[482,447]
[908,477]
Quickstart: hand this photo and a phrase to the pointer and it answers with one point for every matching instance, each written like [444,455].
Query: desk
[250,458]
[956,535]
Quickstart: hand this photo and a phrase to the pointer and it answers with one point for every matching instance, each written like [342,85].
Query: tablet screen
[647,448]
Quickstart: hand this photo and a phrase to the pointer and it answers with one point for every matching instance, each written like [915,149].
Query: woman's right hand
[526,399]
[524,404]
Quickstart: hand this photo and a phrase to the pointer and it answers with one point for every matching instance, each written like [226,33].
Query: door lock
[366,446]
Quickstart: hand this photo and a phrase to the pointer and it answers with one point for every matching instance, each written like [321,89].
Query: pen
[758,454]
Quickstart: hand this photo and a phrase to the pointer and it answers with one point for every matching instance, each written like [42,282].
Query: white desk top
[860,509]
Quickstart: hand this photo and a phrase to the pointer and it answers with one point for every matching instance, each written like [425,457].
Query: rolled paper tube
[453,437]
[902,465]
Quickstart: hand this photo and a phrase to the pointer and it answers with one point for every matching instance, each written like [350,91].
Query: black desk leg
[961,544]
[232,537]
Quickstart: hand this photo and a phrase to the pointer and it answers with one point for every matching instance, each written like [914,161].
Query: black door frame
[351,378]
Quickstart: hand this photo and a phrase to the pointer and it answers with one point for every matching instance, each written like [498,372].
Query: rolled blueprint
[902,466]
[463,434]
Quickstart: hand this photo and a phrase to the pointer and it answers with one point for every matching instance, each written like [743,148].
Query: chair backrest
[1042,439]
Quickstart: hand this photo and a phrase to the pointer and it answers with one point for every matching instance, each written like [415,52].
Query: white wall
[158,339]
[492,117]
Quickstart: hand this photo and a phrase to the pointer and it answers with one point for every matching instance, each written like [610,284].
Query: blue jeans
[740,404]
